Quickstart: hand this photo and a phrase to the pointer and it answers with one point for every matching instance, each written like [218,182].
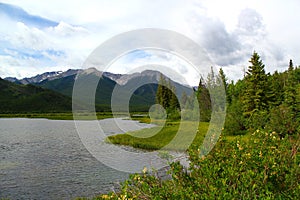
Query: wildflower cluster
[261,166]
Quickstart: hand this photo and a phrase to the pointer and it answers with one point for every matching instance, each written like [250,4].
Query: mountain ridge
[17,98]
[121,79]
[141,87]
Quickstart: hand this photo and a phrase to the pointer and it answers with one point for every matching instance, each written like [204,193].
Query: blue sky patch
[18,14]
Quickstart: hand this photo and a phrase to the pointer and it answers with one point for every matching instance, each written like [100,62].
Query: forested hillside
[17,98]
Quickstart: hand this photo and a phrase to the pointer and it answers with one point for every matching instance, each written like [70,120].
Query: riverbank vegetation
[264,166]
[158,137]
[62,116]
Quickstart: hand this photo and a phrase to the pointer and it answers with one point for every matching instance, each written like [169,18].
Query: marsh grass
[158,137]
[60,116]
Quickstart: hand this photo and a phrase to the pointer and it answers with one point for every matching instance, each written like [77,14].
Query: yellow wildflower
[105,196]
[145,170]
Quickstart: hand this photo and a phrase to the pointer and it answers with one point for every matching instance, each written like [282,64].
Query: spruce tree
[291,66]
[223,79]
[254,97]
[184,99]
[290,100]
[174,104]
[159,91]
[204,100]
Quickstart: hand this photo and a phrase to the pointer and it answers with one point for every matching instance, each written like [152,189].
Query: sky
[39,36]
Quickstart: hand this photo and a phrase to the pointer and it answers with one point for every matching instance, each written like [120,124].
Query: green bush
[283,120]
[235,121]
[261,167]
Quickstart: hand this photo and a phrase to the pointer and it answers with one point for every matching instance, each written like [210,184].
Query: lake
[45,159]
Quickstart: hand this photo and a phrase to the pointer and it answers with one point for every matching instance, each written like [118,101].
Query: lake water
[45,159]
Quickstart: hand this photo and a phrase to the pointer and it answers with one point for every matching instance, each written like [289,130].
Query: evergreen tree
[184,99]
[235,122]
[276,83]
[174,104]
[254,97]
[159,91]
[223,79]
[290,88]
[163,93]
[203,97]
[166,97]
[291,66]
[290,100]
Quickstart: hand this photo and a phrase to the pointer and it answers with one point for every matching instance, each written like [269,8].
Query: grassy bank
[139,116]
[157,137]
[59,116]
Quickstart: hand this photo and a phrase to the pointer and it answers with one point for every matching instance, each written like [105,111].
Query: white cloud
[171,65]
[228,30]
[66,30]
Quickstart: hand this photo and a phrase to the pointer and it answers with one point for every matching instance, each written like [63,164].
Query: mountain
[13,80]
[139,100]
[140,87]
[41,77]
[150,76]
[16,98]
[112,76]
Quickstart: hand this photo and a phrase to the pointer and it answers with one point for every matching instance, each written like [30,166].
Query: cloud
[28,46]
[216,39]
[18,14]
[169,64]
[250,22]
[58,33]
[233,49]
[67,30]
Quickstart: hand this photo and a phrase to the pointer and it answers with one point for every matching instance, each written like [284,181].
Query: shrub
[262,167]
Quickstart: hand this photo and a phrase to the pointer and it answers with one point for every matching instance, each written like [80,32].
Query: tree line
[258,101]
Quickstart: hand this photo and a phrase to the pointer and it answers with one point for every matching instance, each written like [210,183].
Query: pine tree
[223,79]
[159,91]
[204,100]
[291,66]
[166,95]
[254,97]
[184,99]
[174,104]
[290,88]
[290,100]
[163,93]
[276,83]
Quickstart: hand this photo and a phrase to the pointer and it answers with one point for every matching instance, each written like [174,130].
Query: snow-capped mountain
[42,77]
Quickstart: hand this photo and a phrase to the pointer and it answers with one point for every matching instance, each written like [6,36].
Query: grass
[60,116]
[158,137]
[142,117]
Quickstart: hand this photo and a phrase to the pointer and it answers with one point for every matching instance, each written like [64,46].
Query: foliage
[264,101]
[166,97]
[157,137]
[28,98]
[235,121]
[262,167]
[204,101]
[254,96]
[60,115]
